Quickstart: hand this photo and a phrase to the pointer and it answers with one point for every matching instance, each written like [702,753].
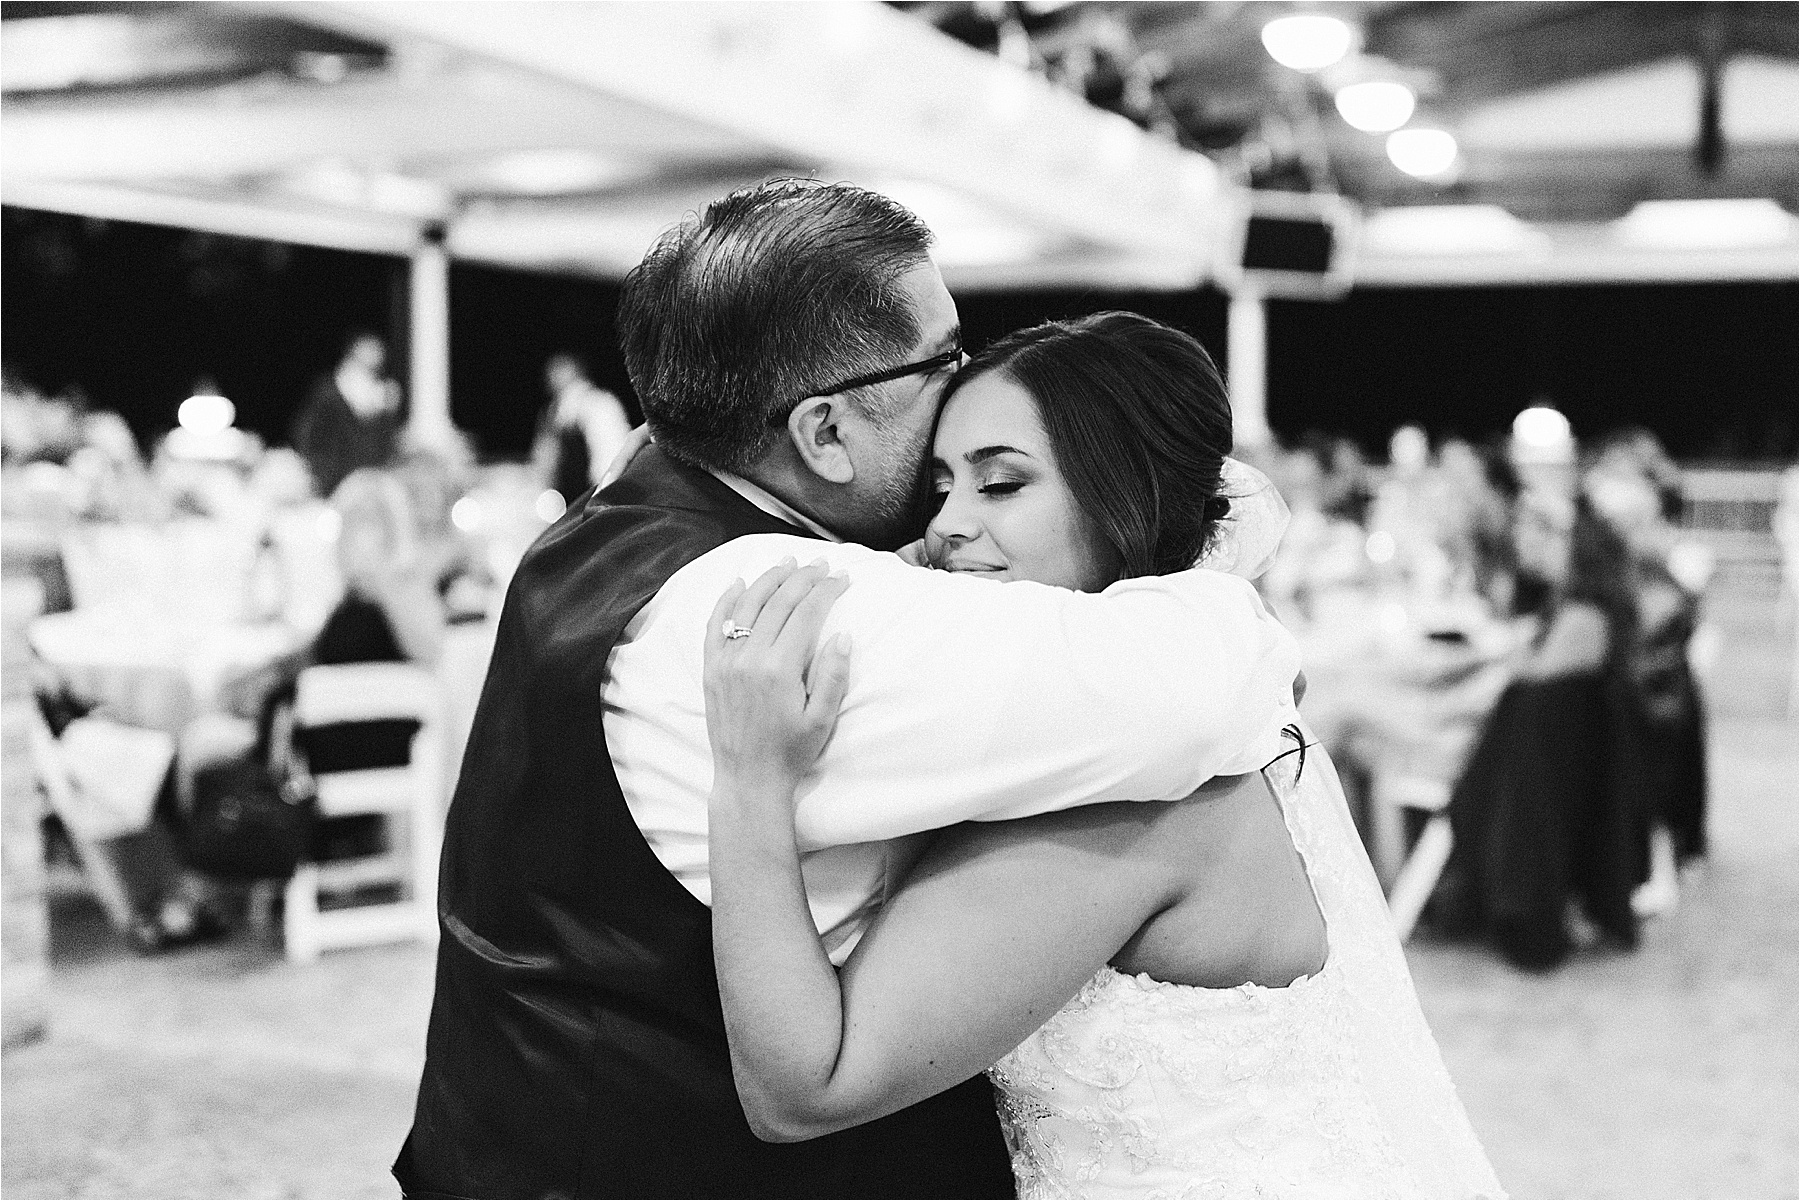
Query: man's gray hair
[770,294]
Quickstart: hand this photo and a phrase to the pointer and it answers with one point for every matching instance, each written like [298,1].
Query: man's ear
[815,428]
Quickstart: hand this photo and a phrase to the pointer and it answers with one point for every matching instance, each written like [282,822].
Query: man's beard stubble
[898,505]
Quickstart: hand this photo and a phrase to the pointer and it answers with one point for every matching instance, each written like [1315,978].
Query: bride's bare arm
[997,928]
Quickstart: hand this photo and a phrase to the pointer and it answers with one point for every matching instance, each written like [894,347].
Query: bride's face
[1004,510]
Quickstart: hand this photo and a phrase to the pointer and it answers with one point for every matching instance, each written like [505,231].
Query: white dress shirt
[968,700]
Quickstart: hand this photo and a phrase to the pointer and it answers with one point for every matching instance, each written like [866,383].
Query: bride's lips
[970,567]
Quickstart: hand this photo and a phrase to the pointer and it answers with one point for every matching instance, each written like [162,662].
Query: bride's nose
[955,521]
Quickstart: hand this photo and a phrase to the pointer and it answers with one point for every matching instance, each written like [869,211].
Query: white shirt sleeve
[976,700]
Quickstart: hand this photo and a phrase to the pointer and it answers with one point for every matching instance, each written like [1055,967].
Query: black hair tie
[1292,731]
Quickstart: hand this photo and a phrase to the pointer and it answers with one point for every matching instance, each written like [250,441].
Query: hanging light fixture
[1377,106]
[1425,153]
[1543,430]
[1306,42]
[206,413]
[205,429]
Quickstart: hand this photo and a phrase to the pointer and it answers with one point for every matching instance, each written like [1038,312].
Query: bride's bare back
[1221,897]
[1246,914]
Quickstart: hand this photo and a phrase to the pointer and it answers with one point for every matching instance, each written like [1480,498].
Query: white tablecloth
[149,670]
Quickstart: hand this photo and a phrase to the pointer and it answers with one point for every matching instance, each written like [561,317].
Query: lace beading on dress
[1332,1086]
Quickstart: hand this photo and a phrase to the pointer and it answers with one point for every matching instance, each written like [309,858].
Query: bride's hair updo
[1140,424]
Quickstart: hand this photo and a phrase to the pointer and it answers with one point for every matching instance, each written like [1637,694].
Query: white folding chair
[64,797]
[1413,873]
[409,797]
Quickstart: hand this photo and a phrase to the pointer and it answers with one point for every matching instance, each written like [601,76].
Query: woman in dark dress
[1557,802]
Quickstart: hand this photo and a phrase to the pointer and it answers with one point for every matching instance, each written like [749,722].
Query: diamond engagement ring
[733,630]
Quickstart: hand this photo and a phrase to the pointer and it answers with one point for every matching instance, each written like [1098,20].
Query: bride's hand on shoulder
[772,694]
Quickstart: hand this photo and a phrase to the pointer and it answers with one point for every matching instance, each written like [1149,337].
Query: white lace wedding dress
[1330,1087]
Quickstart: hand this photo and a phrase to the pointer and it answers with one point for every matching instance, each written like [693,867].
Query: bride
[1200,998]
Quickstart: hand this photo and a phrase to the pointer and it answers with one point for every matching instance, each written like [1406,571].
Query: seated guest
[352,415]
[434,479]
[1636,490]
[392,610]
[1477,492]
[1551,807]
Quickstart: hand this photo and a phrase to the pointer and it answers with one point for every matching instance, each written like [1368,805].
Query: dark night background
[135,315]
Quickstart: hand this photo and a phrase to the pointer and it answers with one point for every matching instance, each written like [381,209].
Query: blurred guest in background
[1477,494]
[394,558]
[352,415]
[1408,508]
[1535,814]
[117,482]
[1635,450]
[1636,489]
[403,565]
[1323,550]
[392,608]
[84,463]
[582,431]
[1594,746]
[33,427]
[1347,489]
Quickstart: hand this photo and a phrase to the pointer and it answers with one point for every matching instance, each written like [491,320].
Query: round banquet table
[151,670]
[1393,688]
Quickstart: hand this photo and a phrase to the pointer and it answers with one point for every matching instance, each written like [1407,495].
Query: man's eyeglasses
[953,357]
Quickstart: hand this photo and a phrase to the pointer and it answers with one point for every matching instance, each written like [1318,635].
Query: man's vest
[576,1047]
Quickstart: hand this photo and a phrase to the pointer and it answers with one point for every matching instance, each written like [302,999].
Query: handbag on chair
[250,821]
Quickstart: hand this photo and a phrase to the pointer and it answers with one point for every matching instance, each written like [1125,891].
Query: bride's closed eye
[1001,487]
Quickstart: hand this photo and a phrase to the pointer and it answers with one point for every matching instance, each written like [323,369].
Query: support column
[429,358]
[24,930]
[1247,362]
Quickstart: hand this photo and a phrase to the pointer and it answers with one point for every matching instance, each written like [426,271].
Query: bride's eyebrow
[984,453]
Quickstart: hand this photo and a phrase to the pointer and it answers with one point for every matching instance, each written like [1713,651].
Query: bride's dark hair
[1140,424]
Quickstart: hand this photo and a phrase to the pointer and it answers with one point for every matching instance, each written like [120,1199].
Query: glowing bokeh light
[1307,42]
[1378,106]
[1425,153]
[468,515]
[550,505]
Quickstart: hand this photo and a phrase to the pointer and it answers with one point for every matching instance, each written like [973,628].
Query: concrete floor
[1671,1072]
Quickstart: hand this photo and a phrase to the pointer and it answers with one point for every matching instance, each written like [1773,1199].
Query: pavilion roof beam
[339,230]
[857,88]
[455,111]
